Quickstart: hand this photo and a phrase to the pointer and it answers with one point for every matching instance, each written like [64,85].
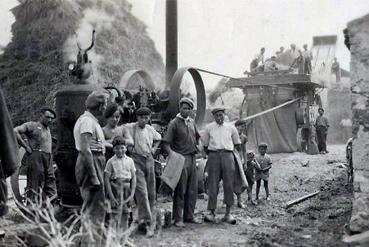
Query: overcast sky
[224,35]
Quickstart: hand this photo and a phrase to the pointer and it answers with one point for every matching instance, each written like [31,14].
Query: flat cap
[263,144]
[215,110]
[187,101]
[143,111]
[95,98]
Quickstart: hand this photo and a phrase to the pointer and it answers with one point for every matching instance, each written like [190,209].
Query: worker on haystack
[265,162]
[142,151]
[308,57]
[271,64]
[90,144]
[258,59]
[321,126]
[182,137]
[38,143]
[220,139]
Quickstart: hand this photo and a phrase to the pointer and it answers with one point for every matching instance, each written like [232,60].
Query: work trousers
[321,135]
[93,209]
[40,175]
[185,194]
[220,166]
[145,188]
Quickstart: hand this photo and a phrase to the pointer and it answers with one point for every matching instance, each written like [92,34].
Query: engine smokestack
[171,34]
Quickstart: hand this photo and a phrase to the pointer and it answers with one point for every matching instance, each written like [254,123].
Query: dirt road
[316,222]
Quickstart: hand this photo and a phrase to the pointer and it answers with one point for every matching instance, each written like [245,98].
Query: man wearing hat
[37,143]
[182,137]
[90,143]
[321,126]
[144,137]
[220,139]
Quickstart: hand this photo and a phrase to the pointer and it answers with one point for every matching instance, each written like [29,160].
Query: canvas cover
[278,128]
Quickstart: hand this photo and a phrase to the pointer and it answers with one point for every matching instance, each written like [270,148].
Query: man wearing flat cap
[90,143]
[220,139]
[37,143]
[182,137]
[144,137]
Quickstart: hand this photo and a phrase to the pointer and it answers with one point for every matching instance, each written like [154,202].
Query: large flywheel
[175,93]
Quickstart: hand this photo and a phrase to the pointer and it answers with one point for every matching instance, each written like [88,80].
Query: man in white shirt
[220,139]
[308,57]
[144,137]
[90,143]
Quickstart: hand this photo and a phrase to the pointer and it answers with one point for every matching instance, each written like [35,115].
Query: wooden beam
[301,199]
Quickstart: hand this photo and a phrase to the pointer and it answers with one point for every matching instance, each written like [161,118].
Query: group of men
[301,59]
[219,141]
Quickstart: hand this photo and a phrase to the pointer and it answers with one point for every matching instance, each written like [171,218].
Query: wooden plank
[301,199]
[360,238]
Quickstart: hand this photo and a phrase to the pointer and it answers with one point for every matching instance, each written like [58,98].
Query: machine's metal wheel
[124,82]
[175,94]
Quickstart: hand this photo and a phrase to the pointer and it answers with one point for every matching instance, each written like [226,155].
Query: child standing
[120,184]
[265,162]
[240,126]
[250,168]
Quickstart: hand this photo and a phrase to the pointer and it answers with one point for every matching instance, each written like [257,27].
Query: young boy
[240,125]
[120,184]
[265,163]
[251,166]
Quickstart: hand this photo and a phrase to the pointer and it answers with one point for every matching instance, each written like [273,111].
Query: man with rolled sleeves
[182,137]
[90,143]
[144,137]
[40,172]
[220,139]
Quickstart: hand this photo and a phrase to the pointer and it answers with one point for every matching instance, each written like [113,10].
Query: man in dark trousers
[321,126]
[8,153]
[182,137]
[144,136]
[40,172]
[90,144]
[220,139]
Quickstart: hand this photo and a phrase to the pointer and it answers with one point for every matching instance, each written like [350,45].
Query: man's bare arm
[87,158]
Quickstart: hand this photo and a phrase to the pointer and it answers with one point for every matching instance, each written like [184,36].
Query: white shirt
[223,136]
[143,138]
[87,123]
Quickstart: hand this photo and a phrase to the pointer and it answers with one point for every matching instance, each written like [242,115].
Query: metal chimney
[171,35]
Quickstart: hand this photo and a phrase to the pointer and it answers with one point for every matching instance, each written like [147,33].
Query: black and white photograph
[184,123]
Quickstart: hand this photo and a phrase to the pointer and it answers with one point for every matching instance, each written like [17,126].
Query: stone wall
[359,40]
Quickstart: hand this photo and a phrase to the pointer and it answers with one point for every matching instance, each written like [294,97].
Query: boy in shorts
[120,184]
[265,162]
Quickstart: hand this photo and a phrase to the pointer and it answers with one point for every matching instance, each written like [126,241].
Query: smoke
[98,16]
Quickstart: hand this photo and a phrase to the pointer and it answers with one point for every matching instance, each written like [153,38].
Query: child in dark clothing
[250,168]
[265,162]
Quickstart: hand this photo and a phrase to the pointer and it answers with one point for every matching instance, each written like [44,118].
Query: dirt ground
[316,222]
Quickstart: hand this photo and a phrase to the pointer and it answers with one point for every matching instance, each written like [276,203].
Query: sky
[224,35]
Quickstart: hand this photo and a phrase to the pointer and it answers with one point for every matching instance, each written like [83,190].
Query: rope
[270,110]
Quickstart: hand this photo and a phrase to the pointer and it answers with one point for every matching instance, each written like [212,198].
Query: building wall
[359,40]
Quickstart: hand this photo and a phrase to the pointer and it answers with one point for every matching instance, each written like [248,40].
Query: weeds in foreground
[40,212]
